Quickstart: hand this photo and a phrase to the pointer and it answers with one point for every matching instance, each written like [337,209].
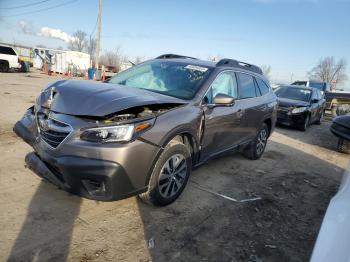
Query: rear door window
[7,50]
[264,88]
[246,86]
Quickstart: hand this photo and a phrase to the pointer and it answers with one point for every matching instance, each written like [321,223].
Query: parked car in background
[322,86]
[341,129]
[299,106]
[8,58]
[144,130]
[333,239]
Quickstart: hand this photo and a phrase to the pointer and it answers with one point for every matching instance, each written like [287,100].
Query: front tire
[344,146]
[320,119]
[306,123]
[169,176]
[257,147]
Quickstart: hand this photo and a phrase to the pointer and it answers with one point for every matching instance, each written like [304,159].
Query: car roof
[191,61]
[6,46]
[223,64]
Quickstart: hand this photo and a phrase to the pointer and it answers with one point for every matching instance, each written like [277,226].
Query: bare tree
[111,57]
[330,71]
[90,48]
[79,42]
[214,58]
[266,69]
[138,60]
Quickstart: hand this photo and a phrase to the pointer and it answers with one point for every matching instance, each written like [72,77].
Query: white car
[8,58]
[333,241]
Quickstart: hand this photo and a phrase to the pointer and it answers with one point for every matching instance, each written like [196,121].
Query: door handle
[240,113]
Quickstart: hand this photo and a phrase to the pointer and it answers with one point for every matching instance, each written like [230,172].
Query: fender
[179,130]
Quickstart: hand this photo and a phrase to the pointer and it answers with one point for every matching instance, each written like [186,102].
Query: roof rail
[239,64]
[170,56]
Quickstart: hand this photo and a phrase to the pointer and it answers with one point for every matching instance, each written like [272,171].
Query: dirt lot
[296,178]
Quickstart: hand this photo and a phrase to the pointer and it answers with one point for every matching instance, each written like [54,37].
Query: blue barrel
[91,73]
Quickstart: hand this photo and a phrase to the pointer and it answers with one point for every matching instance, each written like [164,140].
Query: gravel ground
[295,179]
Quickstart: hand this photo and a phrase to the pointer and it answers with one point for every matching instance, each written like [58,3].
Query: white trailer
[67,61]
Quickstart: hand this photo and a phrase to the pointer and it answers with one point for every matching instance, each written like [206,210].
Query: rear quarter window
[246,86]
[6,50]
[264,88]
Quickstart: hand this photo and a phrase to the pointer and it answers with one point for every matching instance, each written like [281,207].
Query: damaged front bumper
[288,119]
[26,127]
[94,171]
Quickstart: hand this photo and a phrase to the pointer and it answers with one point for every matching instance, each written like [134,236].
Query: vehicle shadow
[314,135]
[46,232]
[295,188]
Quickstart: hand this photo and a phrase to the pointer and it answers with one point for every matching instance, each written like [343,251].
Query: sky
[289,35]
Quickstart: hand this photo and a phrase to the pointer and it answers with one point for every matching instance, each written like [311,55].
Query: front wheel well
[188,140]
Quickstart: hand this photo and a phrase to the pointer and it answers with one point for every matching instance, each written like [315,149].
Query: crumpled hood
[88,98]
[285,102]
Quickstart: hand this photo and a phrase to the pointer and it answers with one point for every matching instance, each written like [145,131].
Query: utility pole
[97,54]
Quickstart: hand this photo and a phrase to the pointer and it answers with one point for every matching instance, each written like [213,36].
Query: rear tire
[257,147]
[4,66]
[344,146]
[169,176]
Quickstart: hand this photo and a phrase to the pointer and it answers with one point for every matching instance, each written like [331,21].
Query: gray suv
[143,131]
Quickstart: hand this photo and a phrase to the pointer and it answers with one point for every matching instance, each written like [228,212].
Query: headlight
[120,133]
[298,110]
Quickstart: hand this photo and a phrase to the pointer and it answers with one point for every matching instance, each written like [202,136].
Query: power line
[93,31]
[21,6]
[40,10]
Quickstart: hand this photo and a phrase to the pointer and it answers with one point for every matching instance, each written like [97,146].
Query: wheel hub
[261,141]
[172,175]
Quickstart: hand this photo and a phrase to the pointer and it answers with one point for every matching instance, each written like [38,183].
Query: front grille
[53,132]
[284,109]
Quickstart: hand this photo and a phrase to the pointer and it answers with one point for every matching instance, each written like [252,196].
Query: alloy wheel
[261,142]
[172,176]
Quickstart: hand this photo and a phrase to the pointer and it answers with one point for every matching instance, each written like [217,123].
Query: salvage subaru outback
[143,131]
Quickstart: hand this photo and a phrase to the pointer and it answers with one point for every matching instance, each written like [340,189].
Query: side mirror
[223,100]
[315,101]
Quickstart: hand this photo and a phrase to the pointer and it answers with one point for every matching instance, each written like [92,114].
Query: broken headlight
[119,133]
